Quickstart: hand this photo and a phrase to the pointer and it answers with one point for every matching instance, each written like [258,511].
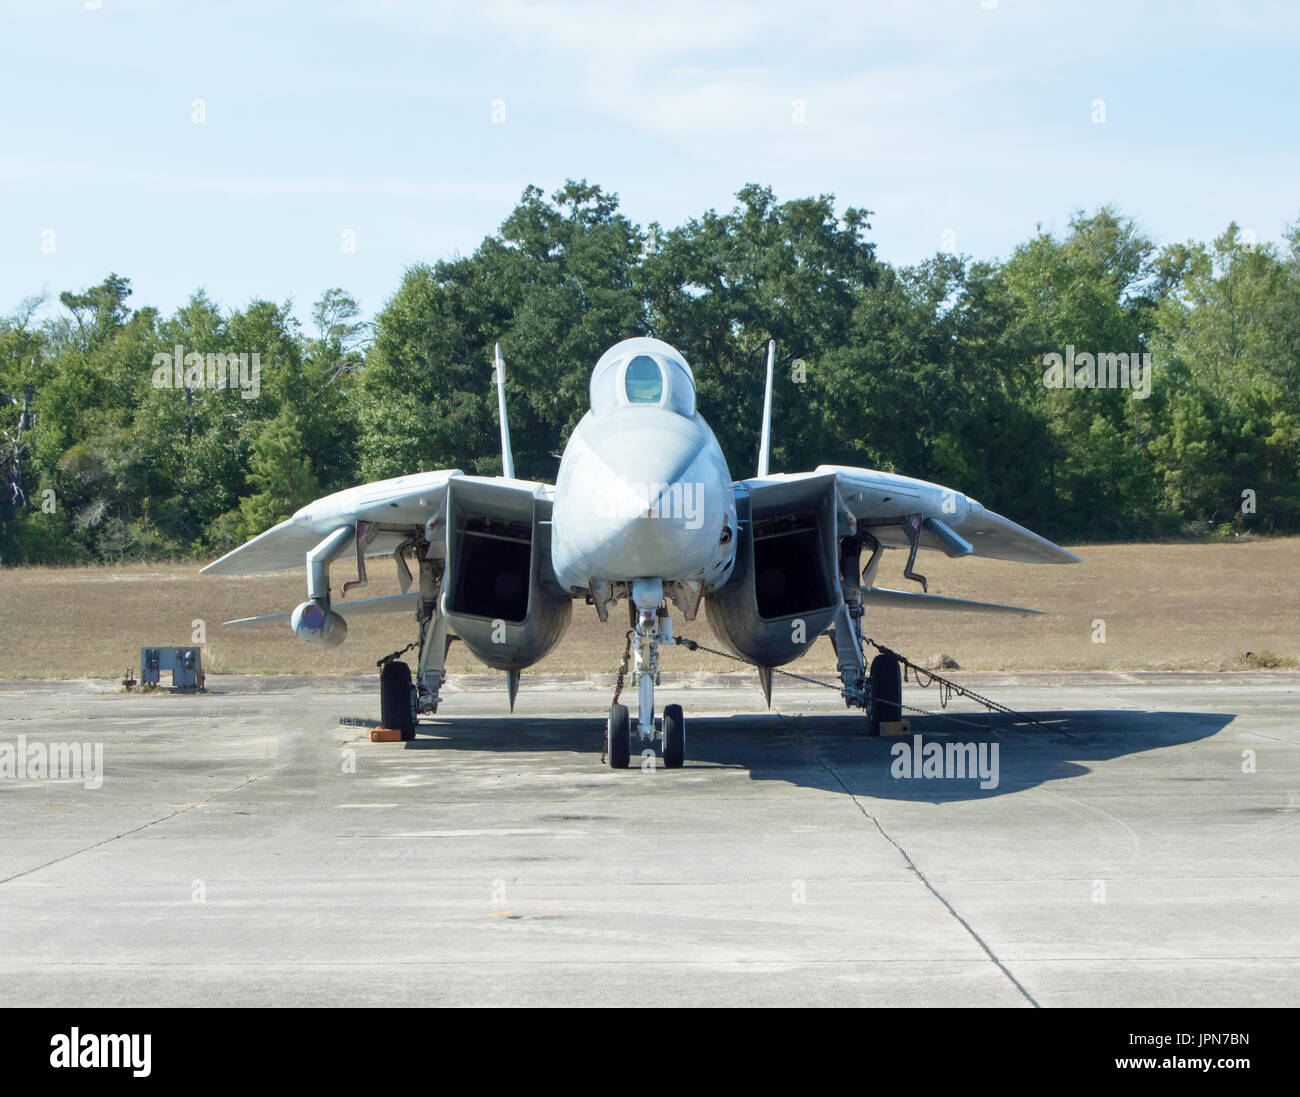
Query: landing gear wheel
[886,690]
[674,737]
[618,737]
[396,709]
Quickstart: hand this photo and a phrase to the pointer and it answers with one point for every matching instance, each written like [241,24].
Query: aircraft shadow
[831,752]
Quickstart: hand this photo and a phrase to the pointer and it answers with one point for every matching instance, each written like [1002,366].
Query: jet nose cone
[648,497]
[646,466]
[646,454]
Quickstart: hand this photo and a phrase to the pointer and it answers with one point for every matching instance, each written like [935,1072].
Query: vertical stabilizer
[507,458]
[764,446]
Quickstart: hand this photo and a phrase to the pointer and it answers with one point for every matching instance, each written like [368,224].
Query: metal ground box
[185,664]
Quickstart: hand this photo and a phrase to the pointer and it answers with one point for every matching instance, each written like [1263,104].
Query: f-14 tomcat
[644,510]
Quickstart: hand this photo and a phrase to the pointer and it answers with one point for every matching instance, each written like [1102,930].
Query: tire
[395,707]
[674,737]
[886,690]
[618,737]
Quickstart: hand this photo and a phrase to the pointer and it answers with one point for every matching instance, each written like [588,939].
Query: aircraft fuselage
[643,489]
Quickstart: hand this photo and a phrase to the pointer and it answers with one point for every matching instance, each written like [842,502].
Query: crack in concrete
[128,833]
[911,864]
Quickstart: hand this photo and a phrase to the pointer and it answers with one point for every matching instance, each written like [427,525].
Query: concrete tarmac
[248,848]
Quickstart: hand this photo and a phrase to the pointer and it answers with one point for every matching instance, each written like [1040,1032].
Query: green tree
[281,472]
[555,287]
[722,285]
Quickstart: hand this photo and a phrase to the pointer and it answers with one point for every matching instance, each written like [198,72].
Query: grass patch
[1164,606]
[1269,660]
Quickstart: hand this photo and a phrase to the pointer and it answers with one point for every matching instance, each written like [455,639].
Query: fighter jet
[643,511]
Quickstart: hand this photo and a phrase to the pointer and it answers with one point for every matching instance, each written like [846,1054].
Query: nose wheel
[618,737]
[674,737]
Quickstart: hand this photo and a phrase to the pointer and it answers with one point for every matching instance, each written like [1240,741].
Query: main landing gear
[396,709]
[651,626]
[878,690]
[402,697]
[886,691]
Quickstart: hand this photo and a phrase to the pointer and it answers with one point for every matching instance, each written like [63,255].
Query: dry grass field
[1165,606]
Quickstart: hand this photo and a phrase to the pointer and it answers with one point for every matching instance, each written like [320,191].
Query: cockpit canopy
[642,373]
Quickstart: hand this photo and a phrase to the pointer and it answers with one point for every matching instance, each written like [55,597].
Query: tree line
[130,435]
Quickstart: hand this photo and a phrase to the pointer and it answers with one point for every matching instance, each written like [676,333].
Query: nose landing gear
[670,730]
[618,737]
[674,737]
[651,626]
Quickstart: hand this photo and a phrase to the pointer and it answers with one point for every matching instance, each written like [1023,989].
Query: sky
[275,150]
